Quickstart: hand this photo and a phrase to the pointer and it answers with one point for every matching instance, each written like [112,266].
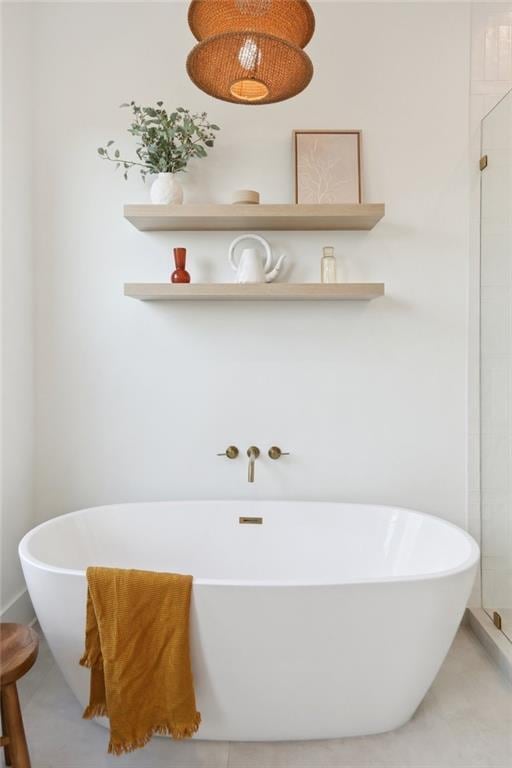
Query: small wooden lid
[19,645]
[245,196]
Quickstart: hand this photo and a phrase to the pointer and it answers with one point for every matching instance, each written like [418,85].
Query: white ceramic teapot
[250,268]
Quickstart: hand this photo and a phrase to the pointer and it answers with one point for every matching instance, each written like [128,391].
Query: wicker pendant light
[250,51]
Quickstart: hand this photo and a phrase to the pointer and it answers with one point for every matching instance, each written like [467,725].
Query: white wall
[17,306]
[134,400]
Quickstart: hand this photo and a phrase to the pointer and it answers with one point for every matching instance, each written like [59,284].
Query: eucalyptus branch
[121,161]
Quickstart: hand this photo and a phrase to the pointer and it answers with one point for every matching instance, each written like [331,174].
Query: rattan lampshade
[249,68]
[291,20]
[250,51]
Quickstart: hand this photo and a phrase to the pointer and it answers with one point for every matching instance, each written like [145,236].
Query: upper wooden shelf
[248,217]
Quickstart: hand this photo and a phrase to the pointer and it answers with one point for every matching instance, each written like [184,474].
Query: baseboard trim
[19,610]
[494,641]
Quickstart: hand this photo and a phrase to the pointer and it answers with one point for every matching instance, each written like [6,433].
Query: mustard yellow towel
[137,648]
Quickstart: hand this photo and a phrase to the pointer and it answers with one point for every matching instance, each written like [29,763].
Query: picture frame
[327,166]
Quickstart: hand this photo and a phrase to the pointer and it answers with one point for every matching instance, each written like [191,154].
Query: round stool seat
[18,651]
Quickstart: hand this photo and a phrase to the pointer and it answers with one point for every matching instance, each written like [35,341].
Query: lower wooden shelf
[254,291]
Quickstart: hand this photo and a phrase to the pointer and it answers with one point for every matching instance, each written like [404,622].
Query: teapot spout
[274,273]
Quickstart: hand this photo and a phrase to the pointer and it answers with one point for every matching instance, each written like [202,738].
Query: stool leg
[7,754]
[12,713]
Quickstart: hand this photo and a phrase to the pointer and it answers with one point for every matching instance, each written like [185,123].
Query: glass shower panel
[496,363]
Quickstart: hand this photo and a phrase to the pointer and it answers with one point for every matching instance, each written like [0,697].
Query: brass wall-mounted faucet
[253,453]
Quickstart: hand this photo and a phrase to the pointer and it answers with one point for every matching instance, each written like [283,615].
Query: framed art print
[327,166]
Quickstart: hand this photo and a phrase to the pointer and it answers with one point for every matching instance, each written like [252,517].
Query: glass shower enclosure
[496,364]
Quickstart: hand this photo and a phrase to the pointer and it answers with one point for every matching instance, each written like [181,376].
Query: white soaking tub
[325,620]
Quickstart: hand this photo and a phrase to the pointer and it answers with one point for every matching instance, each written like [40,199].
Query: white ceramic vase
[166,190]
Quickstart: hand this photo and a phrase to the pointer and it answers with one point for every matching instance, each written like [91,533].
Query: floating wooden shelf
[250,217]
[254,291]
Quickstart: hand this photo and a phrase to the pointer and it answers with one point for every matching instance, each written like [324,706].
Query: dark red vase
[180,274]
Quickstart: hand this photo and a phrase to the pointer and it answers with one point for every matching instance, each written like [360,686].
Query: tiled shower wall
[491,78]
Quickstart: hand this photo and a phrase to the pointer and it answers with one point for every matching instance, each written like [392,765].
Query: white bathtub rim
[466,565]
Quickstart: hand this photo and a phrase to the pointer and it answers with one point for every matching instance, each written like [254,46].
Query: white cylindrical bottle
[328,265]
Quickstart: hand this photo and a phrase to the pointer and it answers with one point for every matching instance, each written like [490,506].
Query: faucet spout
[253,452]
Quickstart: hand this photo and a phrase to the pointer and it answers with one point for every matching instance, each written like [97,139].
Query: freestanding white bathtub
[325,620]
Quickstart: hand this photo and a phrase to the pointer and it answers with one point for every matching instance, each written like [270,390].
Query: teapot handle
[265,244]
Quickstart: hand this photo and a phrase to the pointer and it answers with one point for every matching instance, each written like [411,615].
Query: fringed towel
[137,648]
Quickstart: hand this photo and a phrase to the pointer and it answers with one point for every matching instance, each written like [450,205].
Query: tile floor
[465,720]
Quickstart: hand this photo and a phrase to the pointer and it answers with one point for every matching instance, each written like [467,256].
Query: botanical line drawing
[327,168]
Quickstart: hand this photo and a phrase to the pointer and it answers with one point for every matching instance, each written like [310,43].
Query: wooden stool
[18,651]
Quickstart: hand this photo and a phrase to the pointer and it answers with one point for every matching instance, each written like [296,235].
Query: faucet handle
[231,452]
[275,452]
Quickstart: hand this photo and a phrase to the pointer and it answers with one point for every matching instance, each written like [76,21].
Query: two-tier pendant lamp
[250,51]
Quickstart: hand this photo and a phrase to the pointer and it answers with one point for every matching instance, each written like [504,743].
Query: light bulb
[249,54]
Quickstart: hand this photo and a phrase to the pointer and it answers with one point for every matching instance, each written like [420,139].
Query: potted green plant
[165,144]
